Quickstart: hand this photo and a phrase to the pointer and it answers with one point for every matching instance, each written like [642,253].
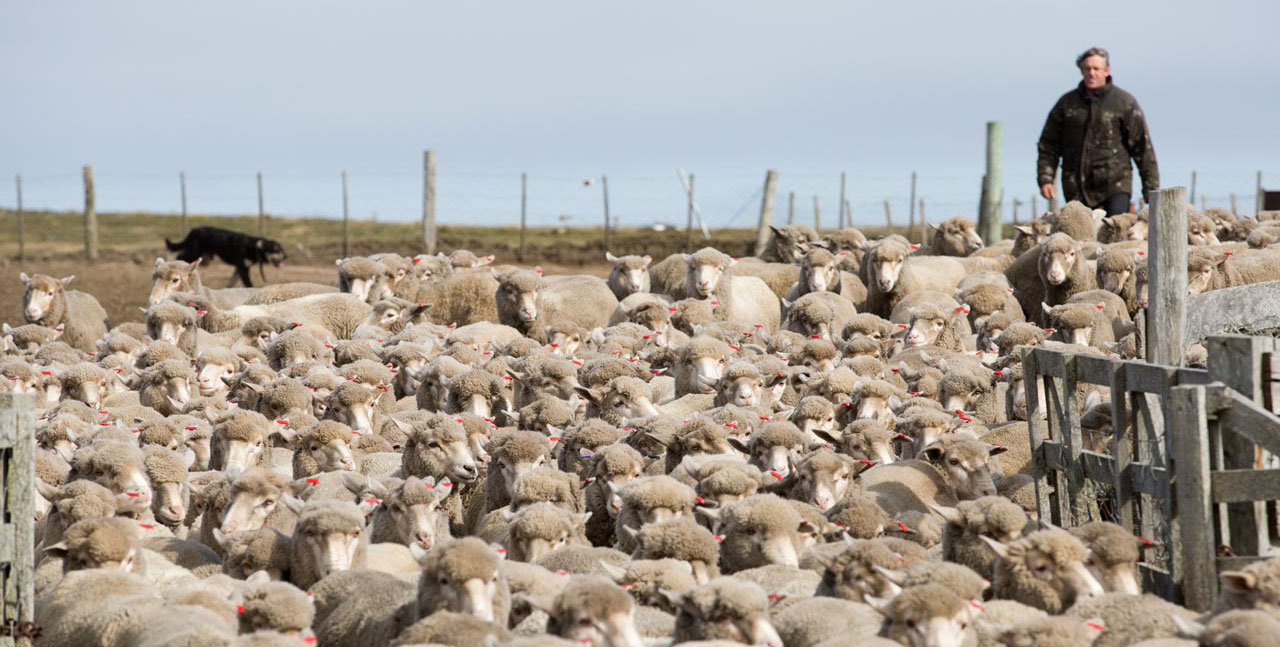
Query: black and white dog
[237,249]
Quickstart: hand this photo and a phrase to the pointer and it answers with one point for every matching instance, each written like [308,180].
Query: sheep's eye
[444,581]
[433,445]
[954,461]
[315,448]
[268,502]
[585,622]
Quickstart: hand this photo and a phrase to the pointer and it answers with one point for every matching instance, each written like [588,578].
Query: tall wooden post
[262,212]
[1167,267]
[911,223]
[1034,213]
[1191,195]
[848,210]
[766,211]
[840,220]
[1016,204]
[817,215]
[791,207]
[22,235]
[524,210]
[604,184]
[923,222]
[688,229]
[1257,207]
[182,186]
[888,219]
[90,216]
[429,201]
[989,216]
[17,437]
[346,219]
[1233,203]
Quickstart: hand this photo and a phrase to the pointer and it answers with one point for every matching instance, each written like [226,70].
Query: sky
[565,90]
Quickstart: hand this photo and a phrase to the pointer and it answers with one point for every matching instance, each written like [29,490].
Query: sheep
[955,237]
[338,313]
[890,275]
[465,576]
[929,614]
[823,478]
[815,417]
[788,244]
[513,454]
[1030,235]
[174,323]
[956,468]
[1209,270]
[820,272]
[867,440]
[67,621]
[253,500]
[30,337]
[1076,220]
[240,442]
[930,324]
[1129,618]
[684,540]
[759,530]
[822,621]
[212,365]
[453,629]
[85,382]
[330,536]
[772,448]
[741,299]
[1063,270]
[725,609]
[989,516]
[166,386]
[1122,227]
[817,314]
[116,465]
[611,468]
[592,608]
[649,500]
[1045,569]
[1053,632]
[630,274]
[646,579]
[1253,587]
[700,365]
[1117,273]
[276,606]
[988,299]
[166,470]
[1113,555]
[47,301]
[365,278]
[526,302]
[361,607]
[1201,229]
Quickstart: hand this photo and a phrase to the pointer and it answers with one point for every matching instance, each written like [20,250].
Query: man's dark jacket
[1095,135]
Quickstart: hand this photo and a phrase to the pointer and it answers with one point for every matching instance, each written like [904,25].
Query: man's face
[1095,72]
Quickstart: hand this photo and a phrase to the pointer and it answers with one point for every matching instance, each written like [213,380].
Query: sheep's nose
[229,528]
[423,539]
[468,470]
[348,465]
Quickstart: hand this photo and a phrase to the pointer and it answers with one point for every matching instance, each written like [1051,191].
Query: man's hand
[1047,191]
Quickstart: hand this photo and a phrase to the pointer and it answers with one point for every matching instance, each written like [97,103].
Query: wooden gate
[17,517]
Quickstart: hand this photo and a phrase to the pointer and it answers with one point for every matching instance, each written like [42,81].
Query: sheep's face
[454,453]
[745,391]
[706,372]
[701,616]
[790,245]
[357,415]
[62,444]
[581,626]
[90,391]
[824,421]
[819,277]
[1202,233]
[823,488]
[529,548]
[1199,278]
[1030,235]
[128,480]
[611,485]
[1056,265]
[166,330]
[702,278]
[923,331]
[1018,396]
[39,296]
[1069,579]
[565,343]
[1113,281]
[948,631]
[209,374]
[201,446]
[432,268]
[762,544]
[417,524]
[1250,591]
[240,454]
[779,459]
[630,273]
[956,238]
[248,511]
[876,448]
[473,596]
[876,407]
[332,550]
[332,456]
[1121,577]
[170,278]
[987,334]
[26,382]
[968,472]
[924,433]
[622,405]
[409,374]
[884,272]
[170,503]
[820,365]
[177,391]
[524,303]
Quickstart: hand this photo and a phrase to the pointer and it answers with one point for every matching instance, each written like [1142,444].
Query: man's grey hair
[1093,51]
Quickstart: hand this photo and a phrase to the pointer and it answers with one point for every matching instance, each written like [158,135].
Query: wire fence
[725,200]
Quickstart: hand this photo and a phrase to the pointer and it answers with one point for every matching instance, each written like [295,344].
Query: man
[1095,129]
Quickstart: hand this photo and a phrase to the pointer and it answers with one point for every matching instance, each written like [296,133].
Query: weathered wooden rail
[1181,466]
[17,518]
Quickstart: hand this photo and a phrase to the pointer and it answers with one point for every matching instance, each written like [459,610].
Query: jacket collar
[1099,94]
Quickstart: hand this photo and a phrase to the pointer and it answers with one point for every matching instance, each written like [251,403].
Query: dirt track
[122,285]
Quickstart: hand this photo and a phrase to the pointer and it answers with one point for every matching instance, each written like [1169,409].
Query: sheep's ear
[22,276]
[646,259]
[933,226]
[300,487]
[47,491]
[1045,307]
[712,514]
[1025,229]
[293,503]
[354,483]
[1001,548]
[656,438]
[258,577]
[1187,628]
[444,488]
[494,273]
[608,256]
[775,231]
[673,598]
[688,259]
[739,445]
[997,450]
[932,453]
[833,437]
[368,506]
[286,433]
[56,550]
[485,261]
[881,605]
[948,514]
[66,280]
[1238,582]
[581,519]
[1145,544]
[614,571]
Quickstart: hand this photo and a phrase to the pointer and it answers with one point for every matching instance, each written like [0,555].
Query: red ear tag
[902,526]
[313,481]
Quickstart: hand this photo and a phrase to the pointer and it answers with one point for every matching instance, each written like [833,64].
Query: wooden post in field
[604,184]
[262,212]
[429,201]
[923,223]
[888,219]
[1192,194]
[1204,202]
[22,235]
[989,215]
[766,211]
[346,219]
[90,216]
[911,222]
[182,186]
[1034,214]
[840,220]
[1016,204]
[1233,203]
[1167,267]
[1257,207]
[688,228]
[524,210]
[848,210]
[791,207]
[817,215]
[17,438]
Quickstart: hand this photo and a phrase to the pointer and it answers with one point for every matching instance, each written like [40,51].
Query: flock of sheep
[825,447]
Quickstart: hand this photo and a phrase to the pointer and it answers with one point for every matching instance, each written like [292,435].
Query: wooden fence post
[688,228]
[1191,195]
[604,185]
[840,205]
[1167,267]
[791,207]
[262,212]
[1034,213]
[182,186]
[911,222]
[1196,546]
[1257,206]
[923,222]
[524,210]
[989,216]
[766,211]
[346,219]
[17,434]
[888,219]
[429,201]
[90,216]
[1016,204]
[817,216]
[1233,203]
[1237,361]
[22,234]
[848,209]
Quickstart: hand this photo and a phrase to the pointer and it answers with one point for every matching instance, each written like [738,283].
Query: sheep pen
[729,465]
